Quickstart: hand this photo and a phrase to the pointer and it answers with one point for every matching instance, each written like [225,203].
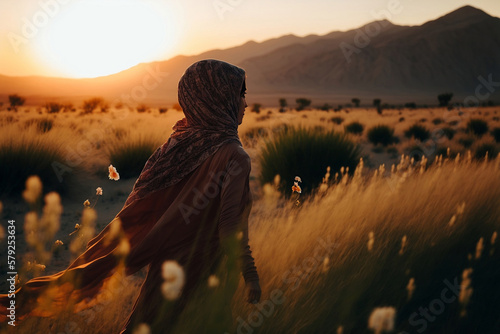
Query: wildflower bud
[86,203]
[33,189]
[213,281]
[98,191]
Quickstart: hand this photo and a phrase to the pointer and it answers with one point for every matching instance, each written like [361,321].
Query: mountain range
[455,53]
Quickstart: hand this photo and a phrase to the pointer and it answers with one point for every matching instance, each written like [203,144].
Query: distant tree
[163,110]
[325,107]
[377,103]
[444,99]
[411,105]
[302,103]
[16,101]
[91,104]
[283,105]
[356,101]
[256,107]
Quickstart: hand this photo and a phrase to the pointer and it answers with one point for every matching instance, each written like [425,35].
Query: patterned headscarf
[209,93]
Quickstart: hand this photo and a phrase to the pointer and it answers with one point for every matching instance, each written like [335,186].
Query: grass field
[406,244]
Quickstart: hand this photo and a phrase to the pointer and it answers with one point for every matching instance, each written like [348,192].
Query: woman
[189,205]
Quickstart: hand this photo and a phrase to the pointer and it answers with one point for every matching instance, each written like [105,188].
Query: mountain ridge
[394,62]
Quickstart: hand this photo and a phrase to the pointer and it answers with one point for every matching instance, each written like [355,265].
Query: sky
[89,38]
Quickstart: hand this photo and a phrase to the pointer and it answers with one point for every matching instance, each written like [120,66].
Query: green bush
[26,156]
[355,128]
[418,131]
[306,153]
[381,134]
[437,121]
[466,141]
[496,134]
[477,126]
[130,155]
[449,132]
[337,120]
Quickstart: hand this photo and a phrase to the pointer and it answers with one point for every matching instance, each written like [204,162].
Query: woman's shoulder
[233,151]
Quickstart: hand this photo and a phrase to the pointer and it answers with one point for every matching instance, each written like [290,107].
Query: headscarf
[209,93]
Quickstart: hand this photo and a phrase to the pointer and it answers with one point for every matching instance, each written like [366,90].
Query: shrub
[477,126]
[53,107]
[496,134]
[448,132]
[481,150]
[337,120]
[302,103]
[306,153]
[256,107]
[381,134]
[31,155]
[142,108]
[466,141]
[16,101]
[437,121]
[129,155]
[355,128]
[91,104]
[418,131]
[162,110]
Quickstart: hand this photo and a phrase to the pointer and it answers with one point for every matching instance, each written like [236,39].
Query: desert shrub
[422,120]
[401,119]
[130,154]
[381,134]
[355,128]
[256,107]
[437,121]
[91,104]
[53,107]
[302,103]
[482,149]
[162,110]
[477,126]
[32,155]
[417,131]
[177,106]
[466,141]
[142,108]
[16,101]
[449,132]
[306,153]
[337,120]
[496,134]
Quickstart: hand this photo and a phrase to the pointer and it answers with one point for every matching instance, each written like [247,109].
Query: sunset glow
[95,38]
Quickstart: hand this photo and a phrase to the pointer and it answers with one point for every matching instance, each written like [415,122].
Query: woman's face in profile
[243,105]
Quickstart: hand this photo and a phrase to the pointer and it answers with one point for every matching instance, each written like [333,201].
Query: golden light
[99,37]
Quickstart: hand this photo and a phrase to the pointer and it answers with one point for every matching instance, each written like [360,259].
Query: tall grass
[330,262]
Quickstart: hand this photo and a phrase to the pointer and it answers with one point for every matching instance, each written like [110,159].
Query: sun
[94,38]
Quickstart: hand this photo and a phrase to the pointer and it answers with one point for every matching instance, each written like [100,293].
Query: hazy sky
[85,38]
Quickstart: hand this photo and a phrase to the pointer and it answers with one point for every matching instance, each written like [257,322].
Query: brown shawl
[209,93]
